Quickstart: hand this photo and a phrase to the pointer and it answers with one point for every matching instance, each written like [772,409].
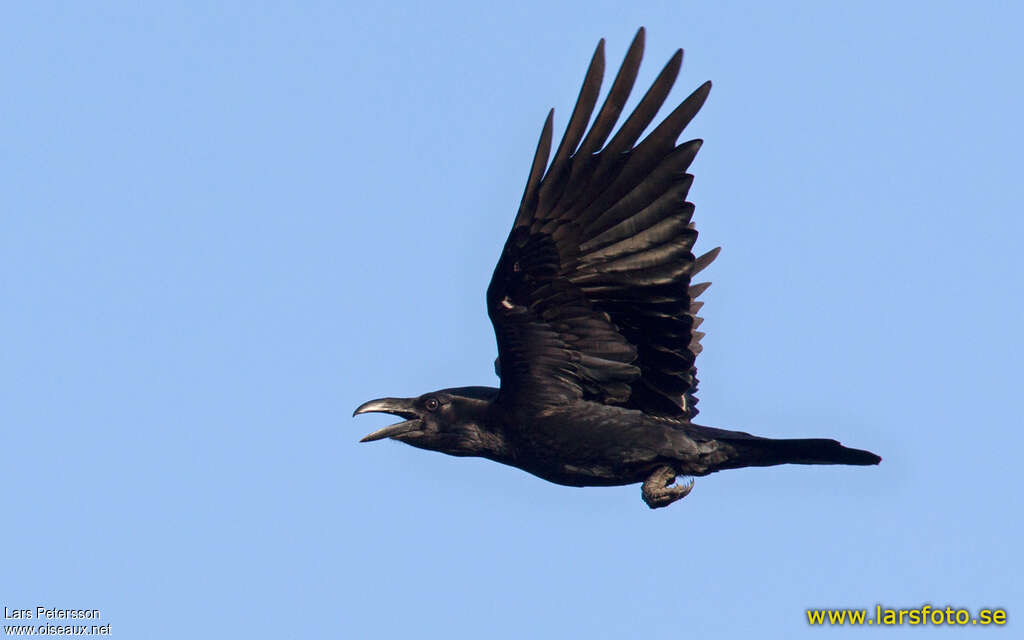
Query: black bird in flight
[596,317]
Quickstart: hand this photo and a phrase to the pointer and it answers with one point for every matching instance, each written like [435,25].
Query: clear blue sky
[223,226]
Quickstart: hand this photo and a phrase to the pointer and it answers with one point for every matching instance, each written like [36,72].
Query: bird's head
[452,421]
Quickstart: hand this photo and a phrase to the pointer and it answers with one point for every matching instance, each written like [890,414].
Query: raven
[596,317]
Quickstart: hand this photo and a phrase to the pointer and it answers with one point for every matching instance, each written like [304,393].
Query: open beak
[401,407]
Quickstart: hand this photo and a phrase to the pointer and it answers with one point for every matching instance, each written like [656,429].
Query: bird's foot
[657,492]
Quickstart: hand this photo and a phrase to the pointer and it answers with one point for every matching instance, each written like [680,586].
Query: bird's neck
[485,434]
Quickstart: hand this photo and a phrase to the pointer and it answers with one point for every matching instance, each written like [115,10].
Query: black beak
[401,407]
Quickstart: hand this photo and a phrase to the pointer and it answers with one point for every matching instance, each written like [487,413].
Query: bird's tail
[766,452]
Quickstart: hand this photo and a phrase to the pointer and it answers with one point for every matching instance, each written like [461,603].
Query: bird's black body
[596,317]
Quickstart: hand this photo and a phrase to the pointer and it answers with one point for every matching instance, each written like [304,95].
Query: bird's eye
[431,404]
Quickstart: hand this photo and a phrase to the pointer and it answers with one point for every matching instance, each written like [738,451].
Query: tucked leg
[657,492]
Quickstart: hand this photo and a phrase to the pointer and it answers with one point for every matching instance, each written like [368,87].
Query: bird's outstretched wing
[591,298]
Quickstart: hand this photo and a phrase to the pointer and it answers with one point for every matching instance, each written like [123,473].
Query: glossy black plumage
[595,314]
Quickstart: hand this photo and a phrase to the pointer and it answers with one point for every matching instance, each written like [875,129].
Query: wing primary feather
[666,133]
[577,122]
[586,157]
[648,107]
[540,160]
[615,101]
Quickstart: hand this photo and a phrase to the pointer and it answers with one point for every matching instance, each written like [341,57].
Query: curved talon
[658,490]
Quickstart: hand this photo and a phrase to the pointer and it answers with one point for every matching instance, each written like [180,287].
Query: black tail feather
[766,452]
